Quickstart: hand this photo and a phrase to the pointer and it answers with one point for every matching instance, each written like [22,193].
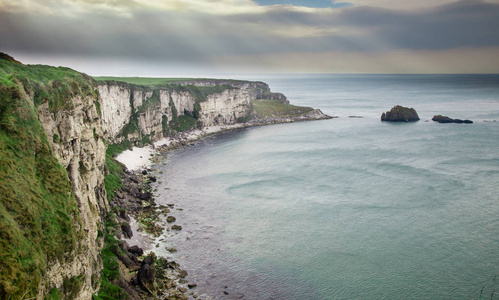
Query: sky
[190,37]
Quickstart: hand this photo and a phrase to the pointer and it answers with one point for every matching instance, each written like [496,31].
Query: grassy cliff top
[156,81]
[45,84]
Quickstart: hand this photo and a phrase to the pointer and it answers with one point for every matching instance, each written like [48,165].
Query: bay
[348,208]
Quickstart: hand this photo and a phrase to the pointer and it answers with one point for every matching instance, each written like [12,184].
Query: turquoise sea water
[348,208]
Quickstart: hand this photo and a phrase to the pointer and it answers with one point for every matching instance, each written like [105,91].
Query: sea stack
[400,114]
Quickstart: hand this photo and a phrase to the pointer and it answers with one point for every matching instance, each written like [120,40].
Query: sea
[346,208]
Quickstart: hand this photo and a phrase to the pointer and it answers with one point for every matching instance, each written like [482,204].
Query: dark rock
[123,214]
[134,258]
[170,219]
[136,250]
[144,172]
[152,178]
[148,260]
[192,285]
[145,196]
[445,119]
[127,261]
[127,230]
[442,119]
[123,246]
[400,114]
[176,227]
[146,276]
[133,179]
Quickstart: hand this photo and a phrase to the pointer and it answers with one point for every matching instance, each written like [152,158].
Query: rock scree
[400,114]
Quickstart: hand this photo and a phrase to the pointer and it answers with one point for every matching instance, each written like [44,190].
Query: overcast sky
[183,37]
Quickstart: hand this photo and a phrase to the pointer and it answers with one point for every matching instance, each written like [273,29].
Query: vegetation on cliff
[39,215]
[273,108]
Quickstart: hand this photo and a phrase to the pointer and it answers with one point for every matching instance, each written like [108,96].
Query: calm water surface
[349,208]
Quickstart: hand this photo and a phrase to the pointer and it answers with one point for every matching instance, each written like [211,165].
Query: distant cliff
[55,126]
[145,113]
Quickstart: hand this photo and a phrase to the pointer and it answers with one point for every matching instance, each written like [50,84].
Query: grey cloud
[195,37]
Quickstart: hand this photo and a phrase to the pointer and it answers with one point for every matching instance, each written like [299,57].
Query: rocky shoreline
[146,276]
[143,274]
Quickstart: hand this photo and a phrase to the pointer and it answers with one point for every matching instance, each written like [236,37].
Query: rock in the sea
[445,119]
[400,114]
[170,219]
[176,227]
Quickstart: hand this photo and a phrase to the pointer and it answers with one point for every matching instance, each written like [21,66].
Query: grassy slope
[37,209]
[273,108]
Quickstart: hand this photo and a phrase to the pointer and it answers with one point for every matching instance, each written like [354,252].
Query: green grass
[155,81]
[145,81]
[47,84]
[38,211]
[110,272]
[273,108]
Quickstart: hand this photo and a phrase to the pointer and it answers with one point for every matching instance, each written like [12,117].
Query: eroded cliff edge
[55,126]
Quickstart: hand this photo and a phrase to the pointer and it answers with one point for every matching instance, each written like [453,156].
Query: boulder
[145,196]
[136,250]
[146,277]
[176,227]
[400,114]
[445,119]
[127,230]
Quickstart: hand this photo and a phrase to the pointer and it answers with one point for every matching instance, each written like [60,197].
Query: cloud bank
[243,35]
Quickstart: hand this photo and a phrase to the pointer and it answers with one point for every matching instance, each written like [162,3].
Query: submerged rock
[400,114]
[176,227]
[445,119]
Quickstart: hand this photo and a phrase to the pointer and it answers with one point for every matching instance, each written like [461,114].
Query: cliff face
[137,113]
[75,136]
[52,190]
